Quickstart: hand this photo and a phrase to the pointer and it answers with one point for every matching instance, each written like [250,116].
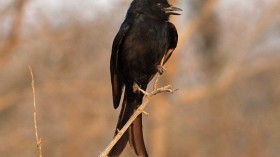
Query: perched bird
[145,40]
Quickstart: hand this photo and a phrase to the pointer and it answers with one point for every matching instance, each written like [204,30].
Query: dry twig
[38,139]
[140,110]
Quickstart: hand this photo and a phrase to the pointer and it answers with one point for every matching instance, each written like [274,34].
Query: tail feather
[134,134]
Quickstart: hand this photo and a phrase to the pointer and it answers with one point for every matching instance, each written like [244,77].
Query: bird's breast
[146,41]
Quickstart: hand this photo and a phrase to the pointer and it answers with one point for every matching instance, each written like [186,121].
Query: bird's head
[160,9]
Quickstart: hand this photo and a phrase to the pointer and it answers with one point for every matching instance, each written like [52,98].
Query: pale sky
[58,9]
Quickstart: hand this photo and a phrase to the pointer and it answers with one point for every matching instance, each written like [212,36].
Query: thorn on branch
[145,113]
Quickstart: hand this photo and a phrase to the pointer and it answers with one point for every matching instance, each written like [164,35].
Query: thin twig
[140,110]
[38,139]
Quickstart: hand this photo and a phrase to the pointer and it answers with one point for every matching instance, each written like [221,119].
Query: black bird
[145,40]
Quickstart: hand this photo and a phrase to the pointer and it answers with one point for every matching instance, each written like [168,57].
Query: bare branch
[140,110]
[38,139]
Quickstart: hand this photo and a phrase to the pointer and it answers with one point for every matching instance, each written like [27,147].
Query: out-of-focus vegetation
[226,67]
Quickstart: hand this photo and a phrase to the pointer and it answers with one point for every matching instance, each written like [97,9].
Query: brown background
[226,67]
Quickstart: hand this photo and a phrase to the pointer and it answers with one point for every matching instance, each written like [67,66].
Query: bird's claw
[161,69]
[137,89]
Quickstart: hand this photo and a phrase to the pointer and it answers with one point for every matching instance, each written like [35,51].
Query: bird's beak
[172,10]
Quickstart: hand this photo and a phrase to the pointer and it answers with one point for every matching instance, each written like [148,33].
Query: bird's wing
[172,41]
[116,77]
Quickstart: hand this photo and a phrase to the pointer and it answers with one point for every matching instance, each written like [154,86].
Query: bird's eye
[159,4]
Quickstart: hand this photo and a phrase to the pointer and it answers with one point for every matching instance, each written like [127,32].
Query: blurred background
[226,66]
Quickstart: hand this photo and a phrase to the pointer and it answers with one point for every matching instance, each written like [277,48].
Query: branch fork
[140,110]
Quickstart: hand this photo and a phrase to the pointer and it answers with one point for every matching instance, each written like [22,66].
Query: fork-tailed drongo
[145,39]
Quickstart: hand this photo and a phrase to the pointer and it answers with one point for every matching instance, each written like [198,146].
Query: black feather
[144,39]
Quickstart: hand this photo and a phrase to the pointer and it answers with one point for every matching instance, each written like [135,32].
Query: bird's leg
[160,67]
[161,70]
[136,89]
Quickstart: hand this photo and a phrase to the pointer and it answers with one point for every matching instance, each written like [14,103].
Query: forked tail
[134,134]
